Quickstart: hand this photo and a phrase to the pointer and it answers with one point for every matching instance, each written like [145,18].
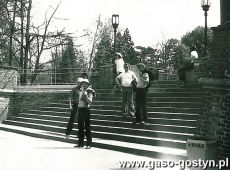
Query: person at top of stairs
[119,62]
[86,95]
[141,92]
[189,63]
[124,80]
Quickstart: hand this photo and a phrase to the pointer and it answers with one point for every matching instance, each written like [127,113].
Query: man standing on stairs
[73,105]
[86,95]
[124,80]
[141,93]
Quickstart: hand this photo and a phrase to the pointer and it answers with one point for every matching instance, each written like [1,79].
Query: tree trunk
[27,36]
[22,45]
[12,29]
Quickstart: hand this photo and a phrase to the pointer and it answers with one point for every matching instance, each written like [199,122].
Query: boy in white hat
[86,95]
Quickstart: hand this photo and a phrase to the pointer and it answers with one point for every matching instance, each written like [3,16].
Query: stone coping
[221,27]
[8,67]
[215,83]
[39,89]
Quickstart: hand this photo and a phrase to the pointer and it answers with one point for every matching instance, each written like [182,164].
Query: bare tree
[12,30]
[22,42]
[95,41]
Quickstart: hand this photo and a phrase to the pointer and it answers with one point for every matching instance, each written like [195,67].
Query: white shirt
[194,56]
[120,65]
[126,78]
[142,80]
[82,99]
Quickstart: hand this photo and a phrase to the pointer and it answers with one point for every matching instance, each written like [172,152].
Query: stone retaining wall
[8,77]
[214,120]
[30,97]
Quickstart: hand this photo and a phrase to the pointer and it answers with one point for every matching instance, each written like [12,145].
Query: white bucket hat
[85,80]
[79,80]
[118,54]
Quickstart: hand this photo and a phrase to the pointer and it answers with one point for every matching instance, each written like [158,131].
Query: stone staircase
[172,111]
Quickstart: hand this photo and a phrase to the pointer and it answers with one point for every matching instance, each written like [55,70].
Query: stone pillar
[219,61]
[224,11]
[214,121]
[8,77]
[8,80]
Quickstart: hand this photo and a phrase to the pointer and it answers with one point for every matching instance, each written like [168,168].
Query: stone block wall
[8,77]
[24,101]
[224,126]
[219,61]
[103,77]
[6,104]
[214,121]
[8,80]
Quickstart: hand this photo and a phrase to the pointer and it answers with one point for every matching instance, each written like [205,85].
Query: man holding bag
[86,95]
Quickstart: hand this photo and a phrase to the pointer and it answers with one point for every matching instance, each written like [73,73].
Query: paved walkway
[19,152]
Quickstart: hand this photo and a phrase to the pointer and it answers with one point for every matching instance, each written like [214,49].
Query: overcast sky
[148,20]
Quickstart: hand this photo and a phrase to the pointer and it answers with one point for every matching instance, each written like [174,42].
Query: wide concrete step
[124,122]
[154,109]
[155,90]
[164,153]
[151,115]
[165,90]
[117,110]
[118,105]
[149,99]
[157,94]
[150,105]
[106,120]
[153,141]
[151,120]
[174,85]
[102,126]
[156,99]
[150,126]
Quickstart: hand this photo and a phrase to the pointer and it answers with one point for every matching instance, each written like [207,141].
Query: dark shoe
[182,84]
[145,119]
[143,122]
[79,146]
[136,123]
[125,115]
[132,115]
[88,147]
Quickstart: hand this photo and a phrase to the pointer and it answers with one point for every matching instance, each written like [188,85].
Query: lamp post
[115,23]
[205,4]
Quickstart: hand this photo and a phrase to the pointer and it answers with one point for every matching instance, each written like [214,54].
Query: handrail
[52,77]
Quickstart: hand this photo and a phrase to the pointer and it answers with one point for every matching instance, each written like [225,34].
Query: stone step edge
[112,115]
[68,112]
[141,137]
[114,121]
[151,107]
[179,102]
[116,127]
[100,143]
[150,118]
